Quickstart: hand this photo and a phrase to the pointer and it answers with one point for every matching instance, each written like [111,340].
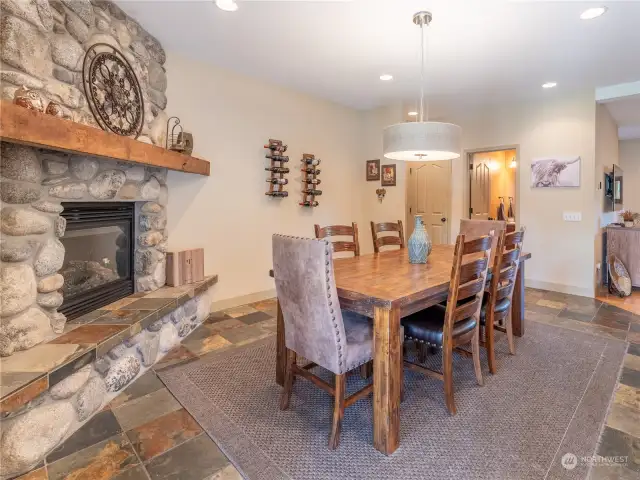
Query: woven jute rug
[548,400]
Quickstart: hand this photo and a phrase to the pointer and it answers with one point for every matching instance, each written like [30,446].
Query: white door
[429,196]
[480,180]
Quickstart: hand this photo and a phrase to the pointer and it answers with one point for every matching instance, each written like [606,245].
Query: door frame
[468,160]
[408,199]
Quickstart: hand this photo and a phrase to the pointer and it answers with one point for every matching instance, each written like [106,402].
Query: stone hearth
[51,390]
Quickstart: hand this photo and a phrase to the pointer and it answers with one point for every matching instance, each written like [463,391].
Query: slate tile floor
[145,434]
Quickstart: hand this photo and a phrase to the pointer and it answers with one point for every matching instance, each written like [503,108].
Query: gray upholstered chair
[315,327]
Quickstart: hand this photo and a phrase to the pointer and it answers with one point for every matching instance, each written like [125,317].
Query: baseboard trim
[559,287]
[216,306]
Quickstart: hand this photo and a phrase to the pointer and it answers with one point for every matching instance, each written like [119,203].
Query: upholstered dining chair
[477,228]
[314,325]
[341,231]
[496,307]
[384,240]
[448,327]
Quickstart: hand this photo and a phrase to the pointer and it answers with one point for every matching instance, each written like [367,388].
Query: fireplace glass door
[98,262]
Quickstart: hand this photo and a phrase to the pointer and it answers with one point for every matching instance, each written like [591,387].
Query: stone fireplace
[39,189]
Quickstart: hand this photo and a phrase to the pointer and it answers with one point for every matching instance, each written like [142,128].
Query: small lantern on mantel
[177,139]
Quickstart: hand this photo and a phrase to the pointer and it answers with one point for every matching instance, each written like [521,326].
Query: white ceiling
[479,50]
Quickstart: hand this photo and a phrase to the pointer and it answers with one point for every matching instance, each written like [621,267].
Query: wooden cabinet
[185,267]
[625,244]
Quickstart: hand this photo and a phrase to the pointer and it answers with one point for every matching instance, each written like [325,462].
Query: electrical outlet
[572,216]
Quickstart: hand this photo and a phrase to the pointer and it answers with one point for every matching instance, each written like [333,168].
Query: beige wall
[231,117]
[630,163]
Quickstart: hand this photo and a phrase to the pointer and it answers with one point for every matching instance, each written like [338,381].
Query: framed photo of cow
[388,176]
[373,170]
[555,172]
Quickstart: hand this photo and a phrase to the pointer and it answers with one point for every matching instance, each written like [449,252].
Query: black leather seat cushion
[502,306]
[427,325]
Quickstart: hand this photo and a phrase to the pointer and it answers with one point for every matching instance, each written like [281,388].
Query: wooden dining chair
[448,327]
[496,309]
[341,231]
[315,327]
[384,240]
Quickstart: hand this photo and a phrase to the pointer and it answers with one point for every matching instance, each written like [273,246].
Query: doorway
[429,195]
[493,185]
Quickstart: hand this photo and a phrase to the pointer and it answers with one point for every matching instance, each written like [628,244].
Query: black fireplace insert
[98,262]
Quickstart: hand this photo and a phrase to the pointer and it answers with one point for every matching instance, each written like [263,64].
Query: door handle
[443,219]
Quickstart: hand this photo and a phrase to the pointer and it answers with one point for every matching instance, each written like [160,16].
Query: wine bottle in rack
[278,194]
[277,181]
[278,158]
[311,171]
[310,191]
[277,169]
[313,181]
[309,204]
[311,161]
[276,147]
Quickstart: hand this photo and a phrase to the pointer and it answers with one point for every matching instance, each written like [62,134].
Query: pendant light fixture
[422,141]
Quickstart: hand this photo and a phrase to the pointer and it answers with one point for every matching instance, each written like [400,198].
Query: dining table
[386,287]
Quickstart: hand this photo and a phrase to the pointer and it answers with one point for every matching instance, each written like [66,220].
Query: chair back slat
[508,257]
[477,245]
[467,310]
[469,290]
[473,270]
[386,240]
[508,274]
[468,279]
[341,231]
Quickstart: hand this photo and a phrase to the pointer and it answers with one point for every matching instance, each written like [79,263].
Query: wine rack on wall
[310,180]
[277,169]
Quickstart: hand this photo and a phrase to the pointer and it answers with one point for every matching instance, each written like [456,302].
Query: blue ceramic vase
[419,243]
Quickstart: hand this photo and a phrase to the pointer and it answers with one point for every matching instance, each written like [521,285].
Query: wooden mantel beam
[28,127]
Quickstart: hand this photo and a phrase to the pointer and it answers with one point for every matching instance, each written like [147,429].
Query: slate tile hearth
[144,433]
[90,336]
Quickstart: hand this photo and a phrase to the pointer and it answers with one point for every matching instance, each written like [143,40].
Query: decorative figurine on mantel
[177,139]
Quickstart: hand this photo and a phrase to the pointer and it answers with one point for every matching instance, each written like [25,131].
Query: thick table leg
[517,307]
[281,351]
[387,379]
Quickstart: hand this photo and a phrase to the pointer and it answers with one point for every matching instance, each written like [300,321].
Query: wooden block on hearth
[185,267]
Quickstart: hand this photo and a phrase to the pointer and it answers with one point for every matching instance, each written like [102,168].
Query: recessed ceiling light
[549,85]
[386,77]
[591,13]
[227,5]
[413,114]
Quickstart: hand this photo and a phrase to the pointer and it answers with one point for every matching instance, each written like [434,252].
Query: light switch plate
[572,216]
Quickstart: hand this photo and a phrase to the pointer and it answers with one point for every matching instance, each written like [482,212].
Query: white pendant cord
[422,55]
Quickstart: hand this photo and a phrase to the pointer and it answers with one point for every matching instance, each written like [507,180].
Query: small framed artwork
[373,170]
[555,172]
[388,175]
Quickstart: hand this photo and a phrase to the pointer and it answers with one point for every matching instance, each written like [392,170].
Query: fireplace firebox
[99,255]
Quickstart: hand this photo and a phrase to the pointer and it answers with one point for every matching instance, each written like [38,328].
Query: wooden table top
[388,279]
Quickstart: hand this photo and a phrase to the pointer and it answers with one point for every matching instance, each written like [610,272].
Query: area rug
[548,400]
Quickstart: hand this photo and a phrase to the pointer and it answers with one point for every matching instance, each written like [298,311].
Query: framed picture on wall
[388,175]
[373,170]
[555,172]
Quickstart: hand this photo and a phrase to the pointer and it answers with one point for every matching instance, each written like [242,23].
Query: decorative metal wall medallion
[112,90]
